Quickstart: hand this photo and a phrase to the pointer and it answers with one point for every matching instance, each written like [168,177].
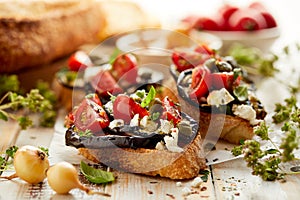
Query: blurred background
[169,12]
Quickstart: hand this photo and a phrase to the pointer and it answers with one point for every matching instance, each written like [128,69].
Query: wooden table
[228,180]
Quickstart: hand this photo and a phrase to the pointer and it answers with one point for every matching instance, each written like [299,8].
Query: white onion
[62,178]
[30,164]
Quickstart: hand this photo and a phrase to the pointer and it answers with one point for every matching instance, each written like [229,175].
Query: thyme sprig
[266,163]
[39,100]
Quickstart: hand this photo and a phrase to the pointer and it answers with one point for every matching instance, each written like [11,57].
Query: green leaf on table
[97,176]
[205,174]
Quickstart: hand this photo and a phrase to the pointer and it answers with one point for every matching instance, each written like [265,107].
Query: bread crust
[152,162]
[55,30]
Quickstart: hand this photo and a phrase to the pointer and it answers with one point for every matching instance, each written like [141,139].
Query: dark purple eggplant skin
[126,137]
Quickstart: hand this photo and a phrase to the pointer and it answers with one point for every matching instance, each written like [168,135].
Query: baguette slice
[152,162]
[34,32]
[212,125]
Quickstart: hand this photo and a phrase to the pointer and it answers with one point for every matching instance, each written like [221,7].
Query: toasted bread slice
[153,162]
[212,125]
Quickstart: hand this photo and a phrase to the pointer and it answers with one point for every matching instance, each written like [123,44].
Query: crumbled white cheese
[109,106]
[179,184]
[138,98]
[134,121]
[219,97]
[196,182]
[160,146]
[245,112]
[116,123]
[186,191]
[148,125]
[165,126]
[144,121]
[171,141]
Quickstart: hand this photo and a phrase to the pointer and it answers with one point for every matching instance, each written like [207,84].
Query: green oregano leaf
[97,176]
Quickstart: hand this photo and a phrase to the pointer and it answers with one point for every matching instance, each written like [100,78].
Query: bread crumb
[179,184]
[196,182]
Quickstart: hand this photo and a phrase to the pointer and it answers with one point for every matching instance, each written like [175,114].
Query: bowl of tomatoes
[252,25]
[157,45]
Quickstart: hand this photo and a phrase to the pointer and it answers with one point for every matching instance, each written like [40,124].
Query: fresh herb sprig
[39,100]
[253,60]
[6,158]
[266,163]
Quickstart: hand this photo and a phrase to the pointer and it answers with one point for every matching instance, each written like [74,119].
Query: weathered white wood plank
[8,134]
[234,180]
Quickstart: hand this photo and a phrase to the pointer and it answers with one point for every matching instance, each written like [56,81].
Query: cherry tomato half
[200,82]
[104,83]
[125,67]
[94,97]
[79,61]
[170,111]
[187,59]
[125,108]
[224,80]
[90,116]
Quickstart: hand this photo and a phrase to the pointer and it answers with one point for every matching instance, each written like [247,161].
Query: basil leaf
[241,92]
[114,55]
[97,176]
[150,96]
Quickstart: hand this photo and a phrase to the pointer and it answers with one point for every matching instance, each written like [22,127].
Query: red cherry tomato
[187,59]
[224,80]
[125,67]
[226,11]
[200,82]
[125,108]
[79,61]
[205,50]
[247,19]
[271,22]
[207,23]
[104,83]
[90,116]
[170,111]
[94,97]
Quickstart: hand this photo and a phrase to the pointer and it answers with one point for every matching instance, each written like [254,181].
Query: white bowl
[262,39]
[156,45]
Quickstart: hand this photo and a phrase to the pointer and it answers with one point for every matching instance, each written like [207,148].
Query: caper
[224,66]
[211,65]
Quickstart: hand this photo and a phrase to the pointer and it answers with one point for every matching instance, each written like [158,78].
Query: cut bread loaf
[34,32]
[152,162]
